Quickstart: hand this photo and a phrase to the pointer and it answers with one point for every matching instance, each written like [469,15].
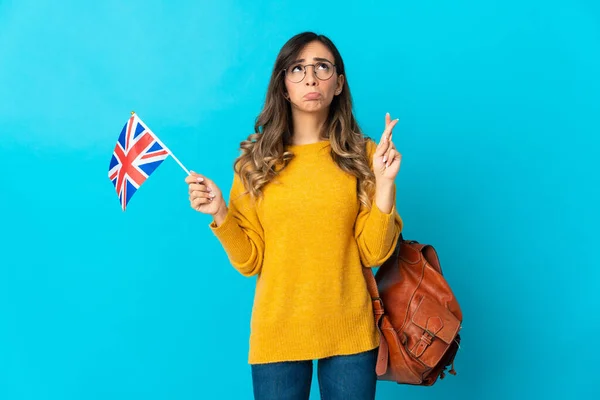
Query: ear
[340,84]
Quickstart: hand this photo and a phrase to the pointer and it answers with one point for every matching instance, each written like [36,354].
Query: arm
[239,230]
[377,229]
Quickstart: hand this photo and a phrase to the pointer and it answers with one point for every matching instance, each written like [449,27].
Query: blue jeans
[348,377]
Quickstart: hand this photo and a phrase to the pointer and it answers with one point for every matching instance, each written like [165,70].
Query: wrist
[383,183]
[384,195]
[220,214]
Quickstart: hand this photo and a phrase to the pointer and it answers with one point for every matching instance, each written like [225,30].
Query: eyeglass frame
[311,65]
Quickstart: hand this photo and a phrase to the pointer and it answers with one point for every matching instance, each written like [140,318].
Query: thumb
[197,175]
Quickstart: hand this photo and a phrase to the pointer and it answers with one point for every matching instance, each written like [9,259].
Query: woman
[312,202]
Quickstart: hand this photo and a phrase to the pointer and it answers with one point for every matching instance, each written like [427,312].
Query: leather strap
[370,278]
[379,311]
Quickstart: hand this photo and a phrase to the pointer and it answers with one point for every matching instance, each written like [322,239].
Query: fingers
[199,198]
[390,152]
[389,125]
[201,194]
[194,177]
[198,187]
[198,182]
[199,201]
[386,156]
[392,156]
[197,190]
[383,145]
[386,136]
[389,158]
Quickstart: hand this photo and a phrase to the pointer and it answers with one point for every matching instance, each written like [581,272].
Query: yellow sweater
[307,240]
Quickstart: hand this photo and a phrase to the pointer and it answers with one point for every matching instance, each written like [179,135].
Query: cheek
[329,87]
[291,88]
[295,92]
[329,91]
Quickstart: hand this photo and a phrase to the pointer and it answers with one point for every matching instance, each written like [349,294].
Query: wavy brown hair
[263,154]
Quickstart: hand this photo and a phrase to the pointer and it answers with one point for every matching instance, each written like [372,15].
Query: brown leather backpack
[417,315]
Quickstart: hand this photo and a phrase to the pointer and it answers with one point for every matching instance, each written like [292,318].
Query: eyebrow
[314,59]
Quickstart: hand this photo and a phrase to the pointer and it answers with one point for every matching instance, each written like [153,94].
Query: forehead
[315,49]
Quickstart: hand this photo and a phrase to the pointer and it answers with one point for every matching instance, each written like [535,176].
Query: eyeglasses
[296,73]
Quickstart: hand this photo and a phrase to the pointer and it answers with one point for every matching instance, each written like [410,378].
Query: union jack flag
[137,154]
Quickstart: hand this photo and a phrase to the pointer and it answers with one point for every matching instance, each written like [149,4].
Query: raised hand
[386,161]
[205,195]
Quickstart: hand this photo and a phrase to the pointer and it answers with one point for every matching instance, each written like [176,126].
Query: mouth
[312,96]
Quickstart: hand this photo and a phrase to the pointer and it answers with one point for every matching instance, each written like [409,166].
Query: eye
[296,68]
[323,66]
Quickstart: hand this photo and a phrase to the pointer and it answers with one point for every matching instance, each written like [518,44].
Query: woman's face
[312,81]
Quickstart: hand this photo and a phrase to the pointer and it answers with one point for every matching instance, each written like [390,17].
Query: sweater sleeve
[376,232]
[241,233]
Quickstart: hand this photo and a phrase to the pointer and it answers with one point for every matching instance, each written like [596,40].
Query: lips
[312,96]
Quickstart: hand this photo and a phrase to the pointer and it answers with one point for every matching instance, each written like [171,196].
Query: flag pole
[170,152]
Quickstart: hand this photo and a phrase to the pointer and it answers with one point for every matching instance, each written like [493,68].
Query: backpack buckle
[378,306]
[427,331]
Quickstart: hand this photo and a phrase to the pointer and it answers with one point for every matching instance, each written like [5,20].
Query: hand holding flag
[205,195]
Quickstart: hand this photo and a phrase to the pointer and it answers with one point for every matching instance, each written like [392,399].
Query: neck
[308,126]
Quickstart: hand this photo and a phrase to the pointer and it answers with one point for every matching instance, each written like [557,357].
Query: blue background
[499,106]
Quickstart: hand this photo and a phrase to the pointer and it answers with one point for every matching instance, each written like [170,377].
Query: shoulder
[371,147]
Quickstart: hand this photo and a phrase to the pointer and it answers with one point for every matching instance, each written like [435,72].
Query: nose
[310,78]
